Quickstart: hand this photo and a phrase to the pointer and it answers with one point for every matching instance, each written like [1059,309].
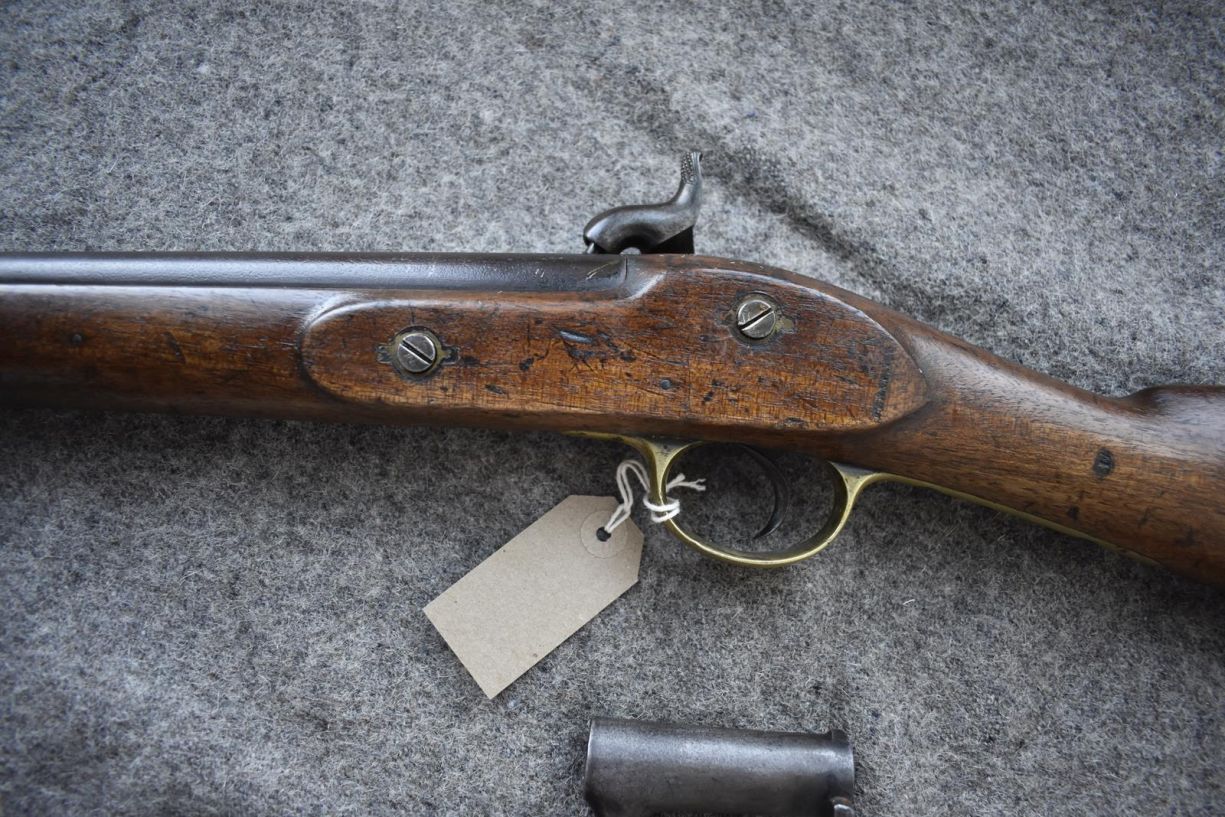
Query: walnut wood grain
[1145,473]
[652,350]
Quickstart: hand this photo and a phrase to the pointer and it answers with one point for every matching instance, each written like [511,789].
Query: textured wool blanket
[223,616]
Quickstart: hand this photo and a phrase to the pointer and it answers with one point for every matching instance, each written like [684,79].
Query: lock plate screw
[756,318]
[416,351]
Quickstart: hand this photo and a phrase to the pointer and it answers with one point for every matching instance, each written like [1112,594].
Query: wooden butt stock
[1143,473]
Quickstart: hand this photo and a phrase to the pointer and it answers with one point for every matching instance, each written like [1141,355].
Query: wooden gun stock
[648,345]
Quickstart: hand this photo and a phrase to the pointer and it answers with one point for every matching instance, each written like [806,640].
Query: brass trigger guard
[660,455]
[848,482]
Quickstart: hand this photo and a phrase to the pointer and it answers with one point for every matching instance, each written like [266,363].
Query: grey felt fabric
[223,616]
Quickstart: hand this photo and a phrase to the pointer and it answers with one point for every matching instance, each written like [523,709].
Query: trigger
[776,482]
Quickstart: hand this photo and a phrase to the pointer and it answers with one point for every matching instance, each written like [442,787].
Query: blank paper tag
[537,590]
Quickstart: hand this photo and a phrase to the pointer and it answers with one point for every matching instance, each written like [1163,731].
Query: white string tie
[660,512]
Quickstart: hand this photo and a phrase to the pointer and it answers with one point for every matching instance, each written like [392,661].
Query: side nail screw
[416,351]
[756,318]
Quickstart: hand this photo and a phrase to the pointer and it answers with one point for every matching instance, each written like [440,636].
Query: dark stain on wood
[175,349]
[882,389]
[1103,463]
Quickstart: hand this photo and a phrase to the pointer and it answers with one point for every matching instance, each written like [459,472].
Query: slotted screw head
[756,318]
[417,351]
